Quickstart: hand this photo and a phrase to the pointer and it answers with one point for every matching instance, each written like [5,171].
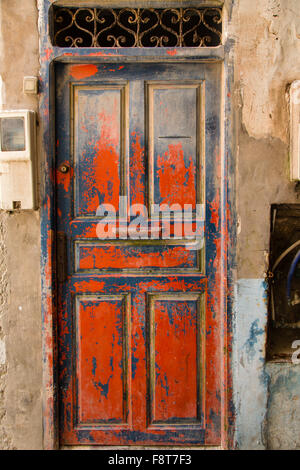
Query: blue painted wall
[249,374]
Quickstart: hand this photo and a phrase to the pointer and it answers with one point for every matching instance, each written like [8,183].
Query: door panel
[127,256]
[174,143]
[99,146]
[175,358]
[101,354]
[139,318]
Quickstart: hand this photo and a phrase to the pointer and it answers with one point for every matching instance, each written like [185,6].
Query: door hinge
[62,257]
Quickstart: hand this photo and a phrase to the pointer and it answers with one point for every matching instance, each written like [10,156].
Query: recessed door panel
[174,143]
[130,257]
[99,146]
[102,375]
[176,363]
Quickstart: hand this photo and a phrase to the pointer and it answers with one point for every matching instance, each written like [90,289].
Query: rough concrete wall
[266,60]
[20,317]
[283,416]
[5,438]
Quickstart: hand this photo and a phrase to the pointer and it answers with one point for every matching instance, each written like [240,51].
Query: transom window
[136,27]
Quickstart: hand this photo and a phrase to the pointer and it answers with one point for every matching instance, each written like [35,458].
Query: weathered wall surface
[283,415]
[20,317]
[267,60]
[250,378]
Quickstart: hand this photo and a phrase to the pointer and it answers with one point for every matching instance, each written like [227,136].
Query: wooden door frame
[48,56]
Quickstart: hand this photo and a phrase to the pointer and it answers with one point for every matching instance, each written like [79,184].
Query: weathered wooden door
[140,324]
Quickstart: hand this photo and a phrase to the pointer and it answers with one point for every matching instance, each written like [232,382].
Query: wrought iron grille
[136,27]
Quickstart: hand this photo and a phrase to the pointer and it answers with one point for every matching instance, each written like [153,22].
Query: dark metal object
[284,244]
[62,259]
[137,27]
[292,270]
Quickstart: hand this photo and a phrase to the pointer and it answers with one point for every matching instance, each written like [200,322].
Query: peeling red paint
[64,179]
[100,180]
[177,182]
[175,366]
[172,52]
[100,366]
[215,207]
[83,71]
[47,54]
[111,257]
[137,169]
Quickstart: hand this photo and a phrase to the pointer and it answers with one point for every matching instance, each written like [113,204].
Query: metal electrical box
[17,160]
[284,282]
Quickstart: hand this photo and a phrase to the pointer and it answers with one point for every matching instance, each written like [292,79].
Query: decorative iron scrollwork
[136,27]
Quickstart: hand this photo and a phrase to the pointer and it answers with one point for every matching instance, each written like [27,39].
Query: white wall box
[17,160]
[295,130]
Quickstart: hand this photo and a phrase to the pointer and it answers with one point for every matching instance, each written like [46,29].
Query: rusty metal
[137,27]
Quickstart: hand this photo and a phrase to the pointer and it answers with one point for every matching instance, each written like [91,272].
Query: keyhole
[64,168]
